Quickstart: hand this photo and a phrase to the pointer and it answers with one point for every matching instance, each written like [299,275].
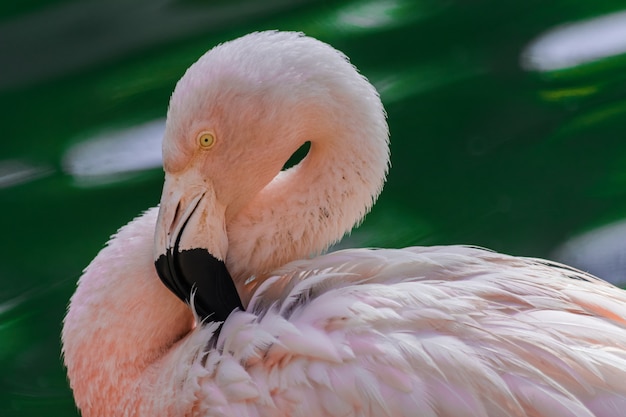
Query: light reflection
[112,156]
[421,79]
[579,43]
[600,252]
[569,93]
[14,172]
[368,15]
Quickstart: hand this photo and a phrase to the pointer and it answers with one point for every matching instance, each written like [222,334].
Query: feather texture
[444,330]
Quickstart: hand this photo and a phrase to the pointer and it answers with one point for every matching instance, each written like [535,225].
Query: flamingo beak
[189,232]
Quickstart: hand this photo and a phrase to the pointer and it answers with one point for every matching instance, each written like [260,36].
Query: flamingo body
[429,331]
[438,331]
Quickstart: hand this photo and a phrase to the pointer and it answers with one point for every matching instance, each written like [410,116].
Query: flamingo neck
[310,206]
[120,323]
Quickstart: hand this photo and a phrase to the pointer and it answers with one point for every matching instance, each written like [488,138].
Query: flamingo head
[235,118]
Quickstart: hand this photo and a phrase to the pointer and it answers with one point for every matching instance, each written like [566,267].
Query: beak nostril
[183,211]
[177,210]
[175,220]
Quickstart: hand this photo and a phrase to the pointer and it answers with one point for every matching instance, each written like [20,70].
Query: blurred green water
[488,146]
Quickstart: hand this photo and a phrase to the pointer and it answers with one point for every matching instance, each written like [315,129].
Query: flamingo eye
[206,140]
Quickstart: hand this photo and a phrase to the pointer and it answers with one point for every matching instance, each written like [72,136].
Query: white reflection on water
[370,15]
[573,44]
[601,252]
[14,172]
[112,156]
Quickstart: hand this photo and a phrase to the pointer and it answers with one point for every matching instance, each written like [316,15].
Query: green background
[488,147]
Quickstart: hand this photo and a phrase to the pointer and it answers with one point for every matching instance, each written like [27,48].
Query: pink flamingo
[428,331]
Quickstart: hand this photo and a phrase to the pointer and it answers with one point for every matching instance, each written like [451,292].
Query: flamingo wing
[439,331]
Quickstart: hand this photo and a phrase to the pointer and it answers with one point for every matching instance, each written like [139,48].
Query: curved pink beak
[183,251]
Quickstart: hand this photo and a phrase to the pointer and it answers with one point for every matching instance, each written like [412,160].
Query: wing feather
[440,331]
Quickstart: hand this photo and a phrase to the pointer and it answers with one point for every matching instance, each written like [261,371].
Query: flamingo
[250,322]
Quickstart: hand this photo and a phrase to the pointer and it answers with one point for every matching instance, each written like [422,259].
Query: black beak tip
[197,271]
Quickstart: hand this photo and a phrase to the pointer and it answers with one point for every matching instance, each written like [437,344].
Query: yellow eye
[206,139]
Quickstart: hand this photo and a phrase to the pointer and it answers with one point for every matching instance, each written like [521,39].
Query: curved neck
[120,310]
[310,206]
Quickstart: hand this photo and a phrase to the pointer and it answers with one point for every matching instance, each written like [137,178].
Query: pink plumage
[439,331]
